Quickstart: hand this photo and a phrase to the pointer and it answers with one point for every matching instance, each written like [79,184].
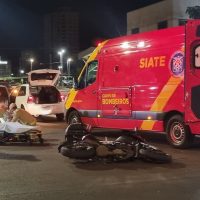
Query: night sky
[21,22]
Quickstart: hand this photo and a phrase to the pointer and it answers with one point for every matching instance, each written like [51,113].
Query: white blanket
[15,127]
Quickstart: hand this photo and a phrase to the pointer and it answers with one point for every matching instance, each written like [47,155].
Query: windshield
[88,76]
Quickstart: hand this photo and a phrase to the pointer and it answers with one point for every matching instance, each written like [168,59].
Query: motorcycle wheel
[155,155]
[78,152]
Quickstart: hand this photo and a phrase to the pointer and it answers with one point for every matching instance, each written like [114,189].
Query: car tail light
[31,99]
[62,97]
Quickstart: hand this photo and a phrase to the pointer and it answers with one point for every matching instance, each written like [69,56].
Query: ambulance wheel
[178,134]
[73,118]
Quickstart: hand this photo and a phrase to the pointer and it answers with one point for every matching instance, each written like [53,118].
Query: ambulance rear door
[192,72]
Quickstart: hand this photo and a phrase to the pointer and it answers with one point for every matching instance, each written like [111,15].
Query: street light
[68,65]
[60,67]
[31,61]
[21,72]
[61,52]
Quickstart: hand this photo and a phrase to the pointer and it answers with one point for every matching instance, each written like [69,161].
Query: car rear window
[46,76]
[37,89]
[45,94]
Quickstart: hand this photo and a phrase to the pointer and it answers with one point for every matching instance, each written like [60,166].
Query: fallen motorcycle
[79,144]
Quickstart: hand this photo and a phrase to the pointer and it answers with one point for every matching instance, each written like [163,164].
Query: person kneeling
[21,116]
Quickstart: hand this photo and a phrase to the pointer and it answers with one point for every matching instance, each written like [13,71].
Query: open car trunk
[45,94]
[43,77]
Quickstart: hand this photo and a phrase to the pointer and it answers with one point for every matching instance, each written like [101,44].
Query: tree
[193,12]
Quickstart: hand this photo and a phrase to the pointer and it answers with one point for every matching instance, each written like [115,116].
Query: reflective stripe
[162,99]
[139,115]
[88,113]
[70,98]
[146,115]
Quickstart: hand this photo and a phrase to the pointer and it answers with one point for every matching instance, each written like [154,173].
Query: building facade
[166,13]
[61,31]
[25,60]
[5,68]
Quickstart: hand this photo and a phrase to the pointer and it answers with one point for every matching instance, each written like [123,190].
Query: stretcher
[17,132]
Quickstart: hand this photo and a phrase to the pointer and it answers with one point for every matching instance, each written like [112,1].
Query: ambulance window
[81,83]
[197,57]
[91,73]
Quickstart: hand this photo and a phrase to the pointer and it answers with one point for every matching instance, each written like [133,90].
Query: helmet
[12,106]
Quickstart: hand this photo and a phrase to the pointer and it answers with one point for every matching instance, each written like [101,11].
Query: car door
[21,98]
[13,94]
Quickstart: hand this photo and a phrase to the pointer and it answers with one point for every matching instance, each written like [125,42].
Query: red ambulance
[148,81]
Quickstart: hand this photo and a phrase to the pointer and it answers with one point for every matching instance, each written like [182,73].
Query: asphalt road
[39,172]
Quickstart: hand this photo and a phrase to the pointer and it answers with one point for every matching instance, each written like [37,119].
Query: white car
[40,96]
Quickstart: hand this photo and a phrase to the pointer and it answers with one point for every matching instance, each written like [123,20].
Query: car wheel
[73,117]
[178,134]
[60,117]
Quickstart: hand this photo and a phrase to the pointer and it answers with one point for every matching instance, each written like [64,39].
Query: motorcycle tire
[78,153]
[155,155]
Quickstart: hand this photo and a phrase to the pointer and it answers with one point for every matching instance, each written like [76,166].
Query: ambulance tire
[178,134]
[73,118]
